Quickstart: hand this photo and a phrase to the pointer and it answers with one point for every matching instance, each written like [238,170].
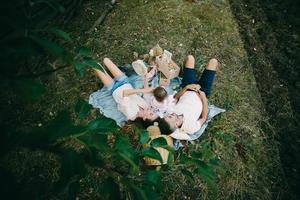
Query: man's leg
[208,76]
[189,73]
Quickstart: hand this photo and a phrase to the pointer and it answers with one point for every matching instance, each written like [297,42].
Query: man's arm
[194,87]
[203,115]
[180,93]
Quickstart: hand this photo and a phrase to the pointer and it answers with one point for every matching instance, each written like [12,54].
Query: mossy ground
[250,165]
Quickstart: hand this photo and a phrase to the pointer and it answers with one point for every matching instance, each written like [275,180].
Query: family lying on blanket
[179,115]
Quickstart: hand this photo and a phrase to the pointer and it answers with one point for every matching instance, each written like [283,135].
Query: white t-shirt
[129,105]
[190,106]
[160,108]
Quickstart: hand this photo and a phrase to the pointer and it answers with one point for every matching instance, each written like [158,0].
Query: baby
[159,101]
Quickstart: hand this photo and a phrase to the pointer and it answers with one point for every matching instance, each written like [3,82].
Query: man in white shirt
[190,111]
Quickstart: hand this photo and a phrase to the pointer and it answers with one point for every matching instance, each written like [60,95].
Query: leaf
[214,162]
[72,164]
[60,33]
[73,190]
[79,67]
[126,152]
[152,153]
[151,192]
[103,125]
[158,142]
[130,159]
[196,155]
[208,175]
[207,153]
[61,127]
[98,141]
[170,161]
[52,4]
[206,171]
[137,192]
[144,137]
[187,173]
[48,45]
[91,63]
[58,128]
[110,189]
[29,89]
[82,108]
[183,159]
[83,51]
[153,177]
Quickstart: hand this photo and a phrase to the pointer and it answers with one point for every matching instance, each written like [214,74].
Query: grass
[250,166]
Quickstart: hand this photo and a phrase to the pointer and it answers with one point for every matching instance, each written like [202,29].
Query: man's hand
[194,87]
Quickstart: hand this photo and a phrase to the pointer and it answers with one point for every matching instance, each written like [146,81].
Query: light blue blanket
[103,100]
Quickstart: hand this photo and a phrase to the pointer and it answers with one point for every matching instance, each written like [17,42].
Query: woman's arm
[129,92]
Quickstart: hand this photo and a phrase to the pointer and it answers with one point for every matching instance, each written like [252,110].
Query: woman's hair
[160,93]
[164,127]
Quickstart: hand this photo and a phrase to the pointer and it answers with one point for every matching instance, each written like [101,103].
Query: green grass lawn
[241,137]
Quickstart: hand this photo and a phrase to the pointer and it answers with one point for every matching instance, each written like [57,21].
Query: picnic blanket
[103,100]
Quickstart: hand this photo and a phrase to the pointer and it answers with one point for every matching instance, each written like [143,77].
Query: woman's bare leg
[105,78]
[115,71]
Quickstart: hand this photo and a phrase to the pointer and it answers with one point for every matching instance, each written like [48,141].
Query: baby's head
[160,94]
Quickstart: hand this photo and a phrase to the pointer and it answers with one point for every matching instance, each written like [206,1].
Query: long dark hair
[164,127]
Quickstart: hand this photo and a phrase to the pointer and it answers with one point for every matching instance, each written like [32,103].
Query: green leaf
[110,189]
[130,158]
[29,89]
[91,63]
[58,128]
[48,45]
[153,177]
[137,192]
[83,51]
[187,173]
[158,142]
[183,158]
[79,67]
[103,125]
[72,164]
[196,155]
[208,175]
[60,33]
[126,152]
[152,153]
[207,153]
[82,108]
[62,126]
[214,162]
[144,137]
[206,171]
[98,141]
[52,4]
[170,161]
[73,190]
